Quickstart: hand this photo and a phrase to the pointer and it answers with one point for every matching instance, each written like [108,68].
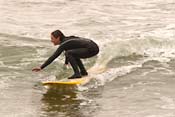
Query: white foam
[113,73]
[47,78]
[2,64]
[162,115]
[169,103]
[8,66]
[3,84]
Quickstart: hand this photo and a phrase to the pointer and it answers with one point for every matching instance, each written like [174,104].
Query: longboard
[68,82]
[76,81]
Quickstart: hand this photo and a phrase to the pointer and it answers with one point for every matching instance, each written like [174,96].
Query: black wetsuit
[75,48]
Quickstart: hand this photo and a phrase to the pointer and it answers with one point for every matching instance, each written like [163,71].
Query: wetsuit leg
[81,67]
[74,65]
[74,56]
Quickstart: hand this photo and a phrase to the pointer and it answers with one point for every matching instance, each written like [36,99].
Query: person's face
[55,41]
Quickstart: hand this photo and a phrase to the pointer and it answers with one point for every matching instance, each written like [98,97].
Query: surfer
[76,48]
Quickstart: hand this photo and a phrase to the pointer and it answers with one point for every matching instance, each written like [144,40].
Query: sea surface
[137,51]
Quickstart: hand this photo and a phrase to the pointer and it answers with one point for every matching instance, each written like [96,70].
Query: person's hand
[37,69]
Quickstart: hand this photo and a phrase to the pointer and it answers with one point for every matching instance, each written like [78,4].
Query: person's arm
[49,60]
[53,57]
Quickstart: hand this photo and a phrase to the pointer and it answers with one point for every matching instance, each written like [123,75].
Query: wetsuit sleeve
[53,57]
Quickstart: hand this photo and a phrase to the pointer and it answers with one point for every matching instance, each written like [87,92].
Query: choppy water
[137,46]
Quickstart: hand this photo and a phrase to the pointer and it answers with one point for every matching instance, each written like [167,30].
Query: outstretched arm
[49,60]
[52,58]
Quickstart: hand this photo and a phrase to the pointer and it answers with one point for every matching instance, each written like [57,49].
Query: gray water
[137,49]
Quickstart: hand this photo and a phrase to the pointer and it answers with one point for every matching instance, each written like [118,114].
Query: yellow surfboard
[66,82]
[69,82]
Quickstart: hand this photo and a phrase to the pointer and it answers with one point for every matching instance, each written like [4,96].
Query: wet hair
[58,33]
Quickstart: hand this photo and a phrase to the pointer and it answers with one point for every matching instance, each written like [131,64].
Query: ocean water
[137,49]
